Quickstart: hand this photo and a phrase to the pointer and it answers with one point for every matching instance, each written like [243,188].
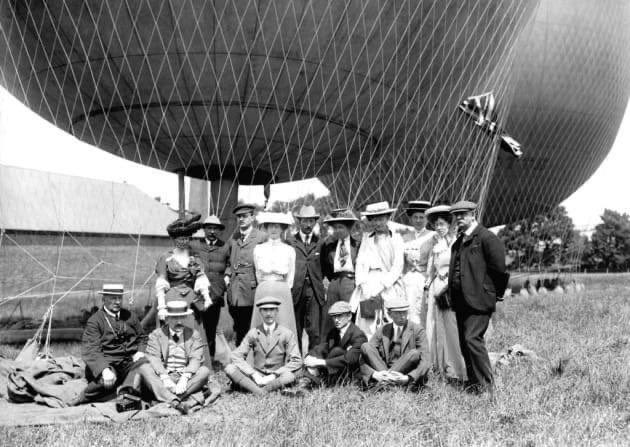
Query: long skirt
[286,315]
[443,337]
[414,289]
[184,293]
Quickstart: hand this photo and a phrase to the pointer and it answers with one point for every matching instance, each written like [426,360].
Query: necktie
[343,254]
[267,331]
[176,338]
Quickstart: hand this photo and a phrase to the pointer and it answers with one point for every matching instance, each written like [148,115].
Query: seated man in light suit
[276,357]
[397,354]
[176,354]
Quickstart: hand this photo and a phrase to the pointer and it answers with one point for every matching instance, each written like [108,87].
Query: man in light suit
[477,276]
[274,350]
[240,275]
[175,352]
[309,296]
[397,354]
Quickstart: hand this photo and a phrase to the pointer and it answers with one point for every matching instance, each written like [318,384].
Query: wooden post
[181,193]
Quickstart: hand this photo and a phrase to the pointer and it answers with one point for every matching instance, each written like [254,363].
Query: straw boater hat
[177,309]
[277,218]
[416,206]
[244,208]
[113,289]
[340,307]
[397,304]
[268,302]
[438,209]
[184,226]
[337,211]
[307,212]
[463,206]
[378,209]
[345,216]
[213,220]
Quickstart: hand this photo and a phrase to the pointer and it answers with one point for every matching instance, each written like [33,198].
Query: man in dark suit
[338,259]
[309,299]
[240,275]
[477,276]
[215,257]
[398,353]
[113,348]
[337,358]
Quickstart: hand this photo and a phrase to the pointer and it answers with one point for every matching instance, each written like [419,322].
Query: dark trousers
[309,316]
[127,375]
[210,320]
[332,376]
[339,289]
[472,327]
[242,316]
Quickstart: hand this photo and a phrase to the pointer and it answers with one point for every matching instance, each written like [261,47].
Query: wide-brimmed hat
[244,208]
[277,218]
[306,212]
[339,210]
[397,305]
[416,206]
[268,302]
[340,307]
[378,209]
[113,289]
[177,309]
[463,206]
[213,220]
[184,226]
[345,217]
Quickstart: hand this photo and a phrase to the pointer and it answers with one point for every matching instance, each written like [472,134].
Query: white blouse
[274,260]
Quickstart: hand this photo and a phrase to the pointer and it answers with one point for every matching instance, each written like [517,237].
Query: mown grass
[585,402]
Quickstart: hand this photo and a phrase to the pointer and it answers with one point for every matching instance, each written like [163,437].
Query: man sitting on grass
[336,359]
[113,348]
[176,354]
[397,353]
[275,353]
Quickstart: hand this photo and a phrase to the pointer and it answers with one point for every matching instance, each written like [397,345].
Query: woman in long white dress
[441,327]
[378,273]
[274,263]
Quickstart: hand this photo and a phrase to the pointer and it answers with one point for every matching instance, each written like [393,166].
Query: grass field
[587,402]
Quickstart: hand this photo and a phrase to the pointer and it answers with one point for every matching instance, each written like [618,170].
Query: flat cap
[397,304]
[462,206]
[244,208]
[340,307]
[268,302]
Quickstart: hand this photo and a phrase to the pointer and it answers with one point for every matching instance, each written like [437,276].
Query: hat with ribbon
[178,309]
[213,220]
[307,212]
[417,206]
[276,218]
[397,305]
[113,289]
[345,216]
[184,226]
[378,209]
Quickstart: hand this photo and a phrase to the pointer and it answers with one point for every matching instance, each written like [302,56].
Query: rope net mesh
[361,94]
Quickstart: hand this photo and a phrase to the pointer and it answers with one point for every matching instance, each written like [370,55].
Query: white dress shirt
[306,237]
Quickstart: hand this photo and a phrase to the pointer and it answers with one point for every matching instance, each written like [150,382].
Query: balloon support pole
[181,192]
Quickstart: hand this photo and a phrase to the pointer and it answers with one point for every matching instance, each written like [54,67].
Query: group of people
[375,305]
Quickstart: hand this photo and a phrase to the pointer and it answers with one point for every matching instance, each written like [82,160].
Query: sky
[28,141]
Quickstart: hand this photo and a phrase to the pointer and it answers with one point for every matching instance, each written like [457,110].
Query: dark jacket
[412,338]
[241,269]
[215,259]
[101,347]
[483,272]
[157,350]
[327,255]
[350,344]
[307,260]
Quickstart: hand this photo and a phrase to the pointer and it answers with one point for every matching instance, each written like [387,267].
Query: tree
[323,205]
[610,243]
[547,240]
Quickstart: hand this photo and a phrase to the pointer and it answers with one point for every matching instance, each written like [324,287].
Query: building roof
[33,200]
